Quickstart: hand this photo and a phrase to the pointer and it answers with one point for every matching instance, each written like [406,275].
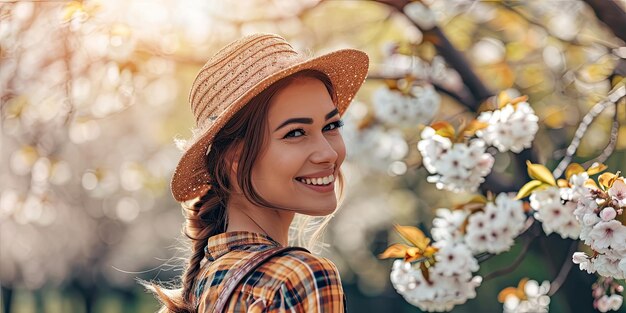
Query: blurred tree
[91,96]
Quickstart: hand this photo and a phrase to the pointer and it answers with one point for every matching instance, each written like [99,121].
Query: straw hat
[237,73]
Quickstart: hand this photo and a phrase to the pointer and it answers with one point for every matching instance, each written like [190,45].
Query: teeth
[318,181]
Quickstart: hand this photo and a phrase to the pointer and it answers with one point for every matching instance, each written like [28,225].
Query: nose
[324,152]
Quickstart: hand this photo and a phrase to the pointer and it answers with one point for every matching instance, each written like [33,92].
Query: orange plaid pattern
[294,282]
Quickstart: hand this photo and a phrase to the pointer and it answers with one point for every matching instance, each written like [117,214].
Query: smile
[317,181]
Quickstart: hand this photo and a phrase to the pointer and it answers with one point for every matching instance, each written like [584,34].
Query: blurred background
[93,93]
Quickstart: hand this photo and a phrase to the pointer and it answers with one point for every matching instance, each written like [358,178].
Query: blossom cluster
[494,229]
[372,143]
[601,216]
[528,297]
[554,212]
[418,106]
[455,166]
[510,128]
[450,281]
[491,229]
[606,295]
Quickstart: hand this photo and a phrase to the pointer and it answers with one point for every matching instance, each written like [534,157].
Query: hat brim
[347,70]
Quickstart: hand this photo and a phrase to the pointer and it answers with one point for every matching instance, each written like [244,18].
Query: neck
[244,216]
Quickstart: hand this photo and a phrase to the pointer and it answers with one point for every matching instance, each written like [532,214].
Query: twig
[565,269]
[454,58]
[518,260]
[463,97]
[610,147]
[611,99]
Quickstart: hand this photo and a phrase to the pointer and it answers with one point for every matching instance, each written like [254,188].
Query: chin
[321,210]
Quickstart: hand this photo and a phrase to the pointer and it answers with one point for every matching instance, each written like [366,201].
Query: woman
[267,146]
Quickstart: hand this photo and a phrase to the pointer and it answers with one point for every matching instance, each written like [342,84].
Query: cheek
[278,163]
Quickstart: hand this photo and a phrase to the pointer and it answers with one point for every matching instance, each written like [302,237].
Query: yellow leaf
[503,99]
[392,84]
[443,129]
[473,127]
[562,183]
[528,188]
[412,254]
[606,180]
[430,251]
[519,99]
[522,283]
[478,199]
[505,293]
[596,168]
[573,169]
[590,183]
[540,172]
[521,286]
[396,251]
[414,236]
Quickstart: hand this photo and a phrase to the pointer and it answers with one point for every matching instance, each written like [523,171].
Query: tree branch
[565,269]
[610,147]
[455,58]
[611,14]
[598,108]
[534,233]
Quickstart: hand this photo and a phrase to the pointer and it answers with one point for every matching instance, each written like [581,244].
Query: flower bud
[608,214]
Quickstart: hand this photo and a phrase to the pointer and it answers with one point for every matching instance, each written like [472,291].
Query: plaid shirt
[296,281]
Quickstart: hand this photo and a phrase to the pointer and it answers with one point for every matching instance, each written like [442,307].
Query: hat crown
[232,71]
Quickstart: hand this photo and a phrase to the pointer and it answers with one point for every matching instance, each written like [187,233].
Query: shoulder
[309,283]
[301,265]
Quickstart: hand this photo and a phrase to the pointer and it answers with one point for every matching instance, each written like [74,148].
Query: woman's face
[298,166]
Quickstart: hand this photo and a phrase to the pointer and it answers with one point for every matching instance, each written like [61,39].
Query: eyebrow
[305,120]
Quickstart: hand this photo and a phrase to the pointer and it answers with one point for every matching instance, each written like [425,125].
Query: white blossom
[419,107]
[493,229]
[555,215]
[617,192]
[450,279]
[608,266]
[456,167]
[609,303]
[583,262]
[447,225]
[374,146]
[510,128]
[608,234]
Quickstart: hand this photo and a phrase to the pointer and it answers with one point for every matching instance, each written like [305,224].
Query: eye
[334,125]
[294,133]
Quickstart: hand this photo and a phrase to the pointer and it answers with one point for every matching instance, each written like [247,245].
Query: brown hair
[207,216]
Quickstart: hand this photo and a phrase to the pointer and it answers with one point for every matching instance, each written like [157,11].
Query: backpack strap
[239,274]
